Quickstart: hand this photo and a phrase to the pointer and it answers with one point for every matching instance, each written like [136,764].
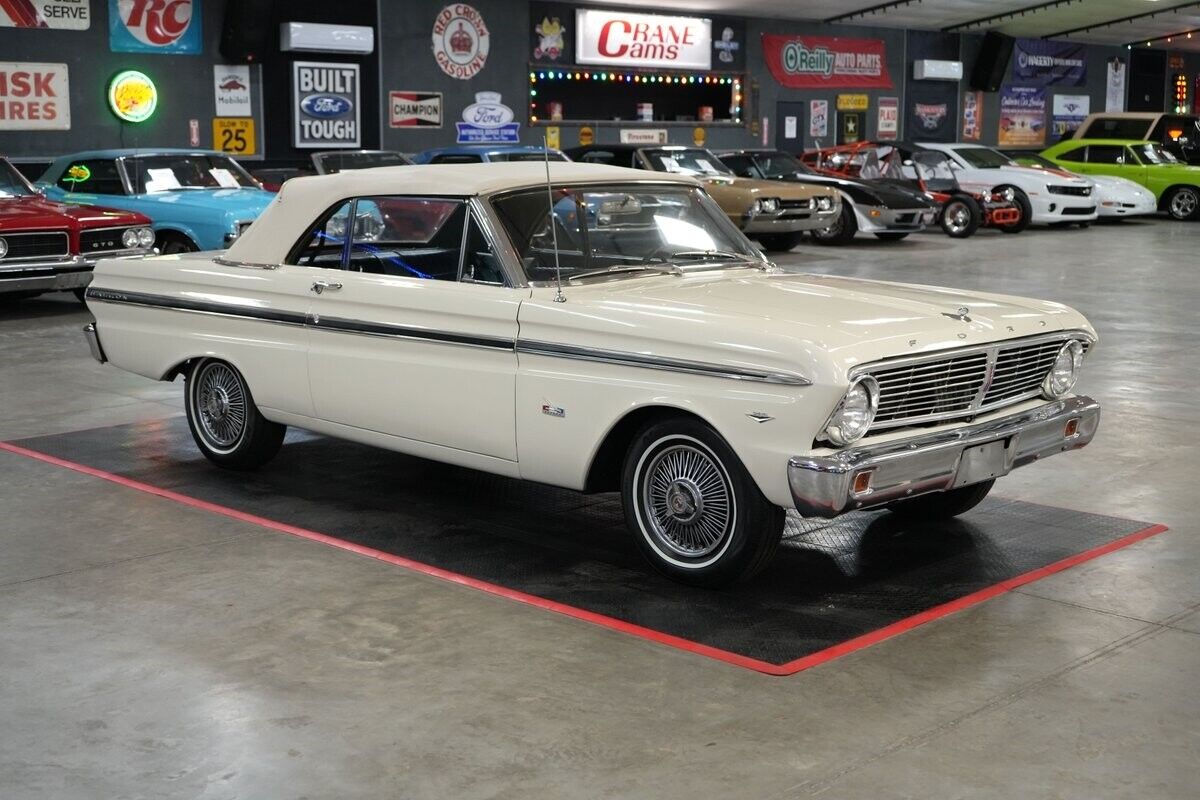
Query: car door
[1134,169]
[415,337]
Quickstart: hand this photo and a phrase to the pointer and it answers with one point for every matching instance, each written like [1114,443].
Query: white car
[1115,197]
[627,337]
[1049,199]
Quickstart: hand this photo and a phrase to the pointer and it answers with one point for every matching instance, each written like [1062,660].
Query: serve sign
[34,97]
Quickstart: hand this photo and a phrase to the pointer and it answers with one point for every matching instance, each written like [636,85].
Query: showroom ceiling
[1111,22]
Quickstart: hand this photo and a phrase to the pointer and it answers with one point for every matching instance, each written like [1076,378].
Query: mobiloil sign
[325,105]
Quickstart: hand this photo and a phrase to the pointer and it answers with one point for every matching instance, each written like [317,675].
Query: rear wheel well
[604,474]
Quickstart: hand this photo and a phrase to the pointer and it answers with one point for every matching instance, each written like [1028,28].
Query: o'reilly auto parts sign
[325,105]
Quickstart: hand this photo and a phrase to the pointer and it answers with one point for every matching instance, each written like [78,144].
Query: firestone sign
[34,96]
[625,39]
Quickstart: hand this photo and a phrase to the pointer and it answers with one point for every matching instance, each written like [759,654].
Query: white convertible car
[1045,199]
[421,309]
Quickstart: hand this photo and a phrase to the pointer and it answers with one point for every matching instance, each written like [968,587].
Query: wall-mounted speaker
[992,62]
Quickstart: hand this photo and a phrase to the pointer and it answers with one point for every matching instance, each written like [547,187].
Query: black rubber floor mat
[836,585]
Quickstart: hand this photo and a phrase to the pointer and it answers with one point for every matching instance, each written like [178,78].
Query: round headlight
[1062,376]
[145,237]
[768,205]
[855,413]
[825,202]
[129,239]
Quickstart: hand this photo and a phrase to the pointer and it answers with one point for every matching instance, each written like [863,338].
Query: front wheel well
[604,474]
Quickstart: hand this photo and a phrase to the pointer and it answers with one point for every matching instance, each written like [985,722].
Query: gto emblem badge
[3,248]
[960,314]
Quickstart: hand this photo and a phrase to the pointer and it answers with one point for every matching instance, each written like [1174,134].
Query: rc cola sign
[325,105]
[488,120]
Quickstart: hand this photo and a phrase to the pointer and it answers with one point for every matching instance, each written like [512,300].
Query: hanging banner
[1048,63]
[887,127]
[972,116]
[932,111]
[1114,87]
[34,97]
[487,120]
[627,39]
[1022,116]
[155,26]
[325,107]
[818,120]
[826,62]
[69,15]
[231,84]
[1070,110]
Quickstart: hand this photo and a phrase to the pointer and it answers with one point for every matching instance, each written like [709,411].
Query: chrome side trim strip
[661,363]
[195,306]
[397,331]
[229,262]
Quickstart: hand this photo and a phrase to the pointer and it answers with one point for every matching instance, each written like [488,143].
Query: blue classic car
[477,153]
[196,199]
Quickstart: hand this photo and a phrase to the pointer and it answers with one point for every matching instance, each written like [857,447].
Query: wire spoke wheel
[221,405]
[688,501]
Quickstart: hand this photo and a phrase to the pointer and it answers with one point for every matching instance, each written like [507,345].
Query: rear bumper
[823,486]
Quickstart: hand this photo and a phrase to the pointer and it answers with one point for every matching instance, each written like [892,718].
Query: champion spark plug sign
[826,62]
[325,105]
[625,39]
[154,26]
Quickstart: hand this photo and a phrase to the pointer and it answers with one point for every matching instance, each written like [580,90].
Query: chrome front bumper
[57,274]
[789,221]
[93,340]
[823,486]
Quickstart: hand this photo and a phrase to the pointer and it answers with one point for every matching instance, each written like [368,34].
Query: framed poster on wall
[325,105]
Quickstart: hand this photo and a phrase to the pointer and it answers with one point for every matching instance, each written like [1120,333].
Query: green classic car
[1175,184]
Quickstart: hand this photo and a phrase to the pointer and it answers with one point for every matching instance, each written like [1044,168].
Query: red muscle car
[49,247]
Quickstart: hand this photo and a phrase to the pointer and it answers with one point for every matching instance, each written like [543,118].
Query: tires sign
[34,97]
[325,105]
[460,41]
[70,15]
[155,26]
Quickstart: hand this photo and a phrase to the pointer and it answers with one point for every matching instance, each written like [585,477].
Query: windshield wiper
[663,269]
[715,255]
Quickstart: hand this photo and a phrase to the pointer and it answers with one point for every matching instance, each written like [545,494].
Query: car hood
[756,188]
[818,324]
[241,203]
[887,195]
[38,213]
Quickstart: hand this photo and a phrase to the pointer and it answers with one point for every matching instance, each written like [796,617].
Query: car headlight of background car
[766,205]
[1006,195]
[135,238]
[1062,376]
[853,416]
[824,203]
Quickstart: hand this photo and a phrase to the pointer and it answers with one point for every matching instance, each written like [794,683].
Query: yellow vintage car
[775,213]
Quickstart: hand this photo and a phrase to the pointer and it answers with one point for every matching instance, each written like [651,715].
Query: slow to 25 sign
[234,135]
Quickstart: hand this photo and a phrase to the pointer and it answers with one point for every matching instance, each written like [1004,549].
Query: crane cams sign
[460,41]
[325,105]
[154,26]
[625,39]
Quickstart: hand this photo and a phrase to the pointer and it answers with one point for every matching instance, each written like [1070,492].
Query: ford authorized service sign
[325,105]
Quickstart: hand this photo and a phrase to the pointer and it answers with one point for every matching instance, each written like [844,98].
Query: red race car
[49,247]
[960,213]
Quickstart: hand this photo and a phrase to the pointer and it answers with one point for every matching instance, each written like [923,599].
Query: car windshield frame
[800,167]
[521,216]
[992,159]
[650,154]
[132,165]
[13,183]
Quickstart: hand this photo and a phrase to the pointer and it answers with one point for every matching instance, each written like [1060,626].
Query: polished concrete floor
[152,650]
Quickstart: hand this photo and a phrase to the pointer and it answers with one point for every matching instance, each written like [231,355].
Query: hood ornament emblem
[960,314]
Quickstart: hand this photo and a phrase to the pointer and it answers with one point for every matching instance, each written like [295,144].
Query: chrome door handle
[320,286]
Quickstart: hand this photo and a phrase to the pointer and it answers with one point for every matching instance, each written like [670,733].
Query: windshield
[983,157]
[11,182]
[689,162]
[527,155]
[167,173]
[1155,154]
[616,227]
[774,165]
[330,163]
[1032,160]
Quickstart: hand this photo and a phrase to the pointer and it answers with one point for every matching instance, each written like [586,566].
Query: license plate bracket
[983,462]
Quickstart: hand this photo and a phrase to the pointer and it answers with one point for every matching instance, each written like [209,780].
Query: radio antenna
[558,295]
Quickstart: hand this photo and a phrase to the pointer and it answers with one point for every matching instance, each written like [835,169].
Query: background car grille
[101,241]
[49,244]
[1075,191]
[952,387]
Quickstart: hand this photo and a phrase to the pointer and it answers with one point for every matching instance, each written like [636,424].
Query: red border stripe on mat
[789,668]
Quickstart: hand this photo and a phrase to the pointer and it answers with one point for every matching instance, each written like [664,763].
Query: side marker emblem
[553,411]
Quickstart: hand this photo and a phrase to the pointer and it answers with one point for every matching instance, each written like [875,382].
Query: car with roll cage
[604,330]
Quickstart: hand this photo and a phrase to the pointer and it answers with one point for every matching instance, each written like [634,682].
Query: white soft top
[302,200]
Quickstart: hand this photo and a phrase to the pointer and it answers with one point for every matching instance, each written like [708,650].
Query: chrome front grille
[39,245]
[962,383]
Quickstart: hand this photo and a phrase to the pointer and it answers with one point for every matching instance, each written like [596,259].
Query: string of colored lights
[733,81]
